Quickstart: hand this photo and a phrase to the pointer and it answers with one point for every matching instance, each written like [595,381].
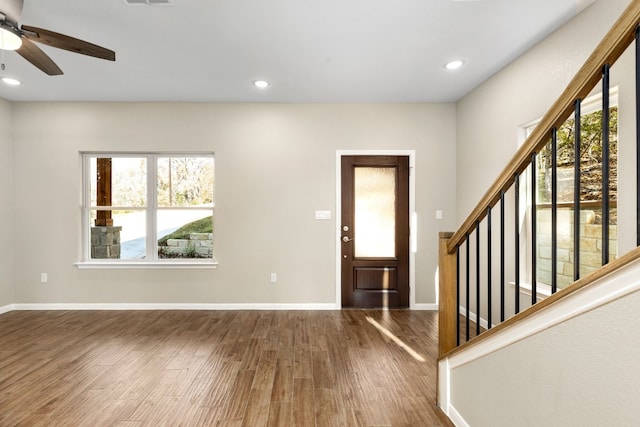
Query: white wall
[275,165]
[6,195]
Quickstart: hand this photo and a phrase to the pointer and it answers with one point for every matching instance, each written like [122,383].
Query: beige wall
[583,372]
[491,117]
[275,165]
[6,194]
[490,126]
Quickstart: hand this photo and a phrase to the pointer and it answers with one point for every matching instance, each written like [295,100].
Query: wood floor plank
[302,363]
[258,404]
[323,374]
[326,408]
[221,385]
[303,411]
[280,414]
[236,403]
[282,390]
[219,368]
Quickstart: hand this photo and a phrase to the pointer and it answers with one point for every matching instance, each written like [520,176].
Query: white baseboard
[185,306]
[172,306]
[425,307]
[456,418]
[7,308]
[473,317]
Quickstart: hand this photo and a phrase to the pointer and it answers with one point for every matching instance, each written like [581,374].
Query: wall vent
[149,2]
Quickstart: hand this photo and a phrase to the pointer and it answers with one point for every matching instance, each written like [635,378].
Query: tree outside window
[591,174]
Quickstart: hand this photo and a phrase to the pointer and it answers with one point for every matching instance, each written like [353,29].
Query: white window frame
[151,210]
[587,106]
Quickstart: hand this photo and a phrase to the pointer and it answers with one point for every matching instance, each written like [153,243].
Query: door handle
[347,239]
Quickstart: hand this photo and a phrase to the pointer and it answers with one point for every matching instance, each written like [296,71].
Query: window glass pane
[125,239]
[185,181]
[127,181]
[185,233]
[120,217]
[591,215]
[590,160]
[375,219]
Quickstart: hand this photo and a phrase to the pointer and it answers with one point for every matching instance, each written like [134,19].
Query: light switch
[323,214]
[438,214]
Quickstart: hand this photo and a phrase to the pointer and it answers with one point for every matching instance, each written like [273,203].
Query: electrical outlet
[274,278]
[43,278]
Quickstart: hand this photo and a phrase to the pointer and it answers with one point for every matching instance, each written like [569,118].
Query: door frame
[412,217]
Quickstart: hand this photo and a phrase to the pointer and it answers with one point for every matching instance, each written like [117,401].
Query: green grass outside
[204,225]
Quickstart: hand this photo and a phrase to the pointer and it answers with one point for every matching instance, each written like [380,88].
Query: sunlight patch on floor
[384,331]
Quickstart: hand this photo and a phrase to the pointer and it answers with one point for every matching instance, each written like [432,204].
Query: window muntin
[159,207]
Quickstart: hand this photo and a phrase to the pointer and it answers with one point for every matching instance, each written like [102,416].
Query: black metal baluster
[457,296]
[554,210]
[605,164]
[467,296]
[534,233]
[517,242]
[477,278]
[489,267]
[576,193]
[502,281]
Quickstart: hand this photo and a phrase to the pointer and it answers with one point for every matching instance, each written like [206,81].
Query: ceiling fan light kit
[9,37]
[21,38]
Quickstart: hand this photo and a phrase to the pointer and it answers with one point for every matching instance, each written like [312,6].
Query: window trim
[151,210]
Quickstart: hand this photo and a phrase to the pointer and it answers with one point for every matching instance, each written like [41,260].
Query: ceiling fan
[21,38]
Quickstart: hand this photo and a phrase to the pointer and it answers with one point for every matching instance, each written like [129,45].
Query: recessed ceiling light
[454,65]
[11,82]
[261,84]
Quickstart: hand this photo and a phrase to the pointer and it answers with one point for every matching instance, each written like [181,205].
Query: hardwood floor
[219,368]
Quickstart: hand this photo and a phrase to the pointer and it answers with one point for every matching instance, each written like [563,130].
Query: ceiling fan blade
[71,44]
[11,9]
[37,57]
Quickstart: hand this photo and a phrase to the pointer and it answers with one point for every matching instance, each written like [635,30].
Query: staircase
[519,349]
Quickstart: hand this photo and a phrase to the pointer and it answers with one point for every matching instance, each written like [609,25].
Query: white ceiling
[310,50]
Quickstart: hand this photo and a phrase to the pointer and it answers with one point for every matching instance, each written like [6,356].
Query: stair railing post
[448,290]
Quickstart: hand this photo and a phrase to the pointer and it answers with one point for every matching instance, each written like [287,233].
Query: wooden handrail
[608,51]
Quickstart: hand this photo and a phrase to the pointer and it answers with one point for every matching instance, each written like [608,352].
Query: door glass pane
[375,216]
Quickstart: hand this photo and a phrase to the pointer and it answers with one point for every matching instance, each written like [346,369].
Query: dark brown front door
[375,231]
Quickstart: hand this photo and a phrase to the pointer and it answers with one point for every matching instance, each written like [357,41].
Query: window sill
[145,264]
[542,290]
